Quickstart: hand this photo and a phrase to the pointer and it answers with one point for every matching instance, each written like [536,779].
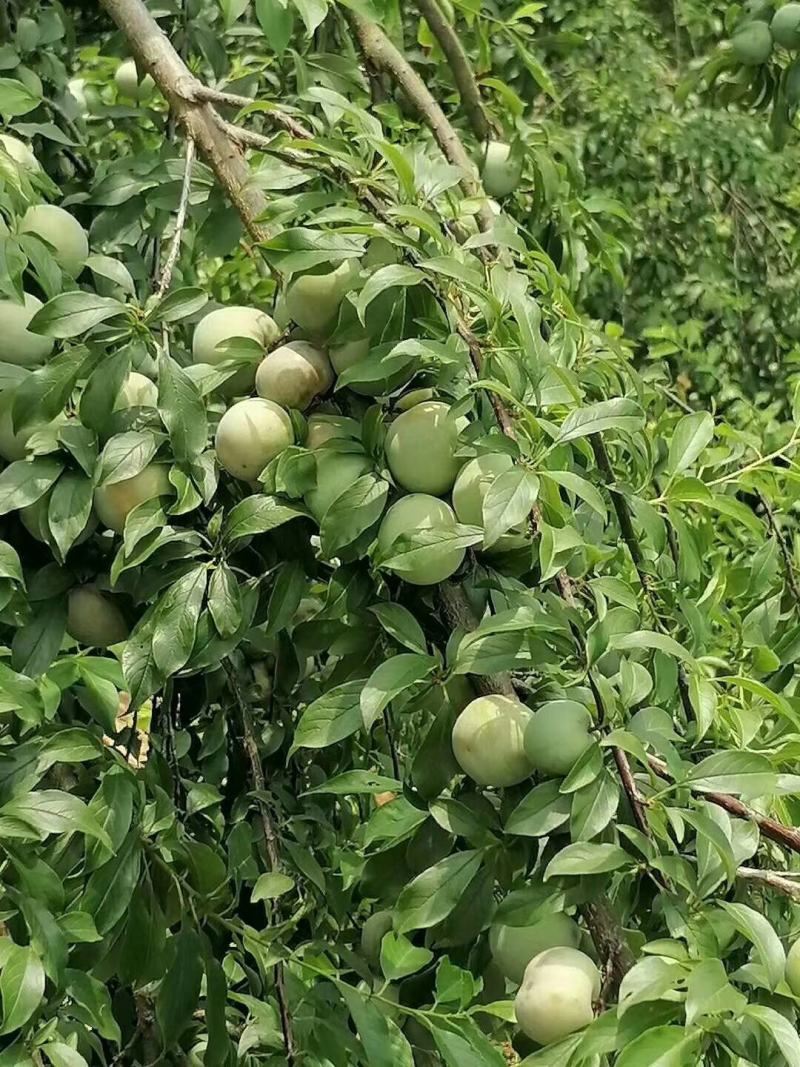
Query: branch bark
[156,55]
[460,67]
[772,879]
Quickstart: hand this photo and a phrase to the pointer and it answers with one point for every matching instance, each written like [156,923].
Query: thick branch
[459,66]
[772,879]
[155,54]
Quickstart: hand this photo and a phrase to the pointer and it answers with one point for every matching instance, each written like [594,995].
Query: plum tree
[785,26]
[501,173]
[62,232]
[372,934]
[471,487]
[420,448]
[558,733]
[335,472]
[312,300]
[556,995]
[219,328]
[137,391]
[93,618]
[513,947]
[752,43]
[412,514]
[19,151]
[18,344]
[250,434]
[294,374]
[114,502]
[488,740]
[129,85]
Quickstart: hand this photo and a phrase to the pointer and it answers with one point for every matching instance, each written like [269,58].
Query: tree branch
[773,879]
[460,67]
[180,220]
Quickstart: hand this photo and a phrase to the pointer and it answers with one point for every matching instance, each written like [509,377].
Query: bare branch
[180,220]
[460,67]
[773,879]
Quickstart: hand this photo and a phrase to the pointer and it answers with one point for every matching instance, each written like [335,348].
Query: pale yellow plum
[114,502]
[94,619]
[488,741]
[137,392]
[223,325]
[129,84]
[336,471]
[420,448]
[250,434]
[18,345]
[62,232]
[513,947]
[556,995]
[312,300]
[294,374]
[417,512]
[500,174]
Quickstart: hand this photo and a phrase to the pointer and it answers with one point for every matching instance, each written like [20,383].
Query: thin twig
[773,879]
[460,67]
[180,220]
[777,533]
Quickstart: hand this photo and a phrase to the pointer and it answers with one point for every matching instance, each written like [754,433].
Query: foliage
[199,818]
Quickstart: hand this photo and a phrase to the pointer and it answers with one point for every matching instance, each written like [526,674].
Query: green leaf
[433,894]
[179,991]
[74,313]
[176,305]
[508,503]
[384,1044]
[692,434]
[332,717]
[587,858]
[182,409]
[175,624]
[44,393]
[541,812]
[224,601]
[126,455]
[10,566]
[21,987]
[52,811]
[61,1055]
[92,1004]
[255,515]
[734,772]
[617,414]
[396,274]
[353,512]
[580,487]
[650,639]
[109,890]
[782,1032]
[271,886]
[665,1046]
[277,23]
[25,480]
[353,783]
[390,679]
[69,509]
[17,98]
[760,933]
[401,625]
[400,958]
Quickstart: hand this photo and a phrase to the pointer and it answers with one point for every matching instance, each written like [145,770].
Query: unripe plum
[559,732]
[488,741]
[17,344]
[752,43]
[312,300]
[322,428]
[19,152]
[556,995]
[137,392]
[250,434]
[94,619]
[472,485]
[114,502]
[223,325]
[62,232]
[128,85]
[34,519]
[294,374]
[500,175]
[336,471]
[420,448]
[372,934]
[419,511]
[13,445]
[785,26]
[513,947]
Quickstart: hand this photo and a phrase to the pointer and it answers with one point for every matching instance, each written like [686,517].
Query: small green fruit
[785,26]
[752,43]
[137,392]
[312,300]
[513,947]
[501,175]
[420,448]
[13,444]
[17,344]
[94,619]
[336,471]
[223,325]
[559,732]
[488,741]
[372,934]
[294,374]
[114,502]
[793,968]
[128,84]
[250,434]
[62,232]
[471,486]
[556,995]
[419,511]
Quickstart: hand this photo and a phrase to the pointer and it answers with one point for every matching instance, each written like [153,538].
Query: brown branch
[460,67]
[776,831]
[773,879]
[777,533]
[156,55]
